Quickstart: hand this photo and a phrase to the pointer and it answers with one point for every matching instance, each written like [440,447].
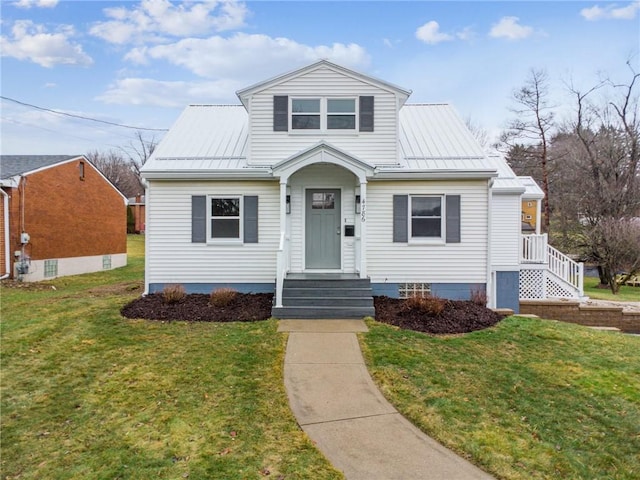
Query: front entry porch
[325,295]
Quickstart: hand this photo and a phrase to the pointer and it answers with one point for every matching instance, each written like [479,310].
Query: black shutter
[453,218]
[198,219]
[366,114]
[280,113]
[250,219]
[400,218]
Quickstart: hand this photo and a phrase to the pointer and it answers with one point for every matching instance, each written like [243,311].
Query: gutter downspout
[491,294]
[7,249]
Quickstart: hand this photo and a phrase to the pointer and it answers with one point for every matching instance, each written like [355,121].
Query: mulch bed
[457,317]
[245,307]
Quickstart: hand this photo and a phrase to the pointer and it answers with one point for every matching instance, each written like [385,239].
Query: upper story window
[341,114]
[322,114]
[305,114]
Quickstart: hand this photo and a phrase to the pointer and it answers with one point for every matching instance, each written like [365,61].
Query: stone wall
[589,315]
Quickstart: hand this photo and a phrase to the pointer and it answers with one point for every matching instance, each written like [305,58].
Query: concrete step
[326,292]
[328,283]
[322,312]
[323,301]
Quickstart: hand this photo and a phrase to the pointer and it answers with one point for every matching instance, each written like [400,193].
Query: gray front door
[322,230]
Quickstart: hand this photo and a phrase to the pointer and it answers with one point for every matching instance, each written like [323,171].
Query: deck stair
[325,296]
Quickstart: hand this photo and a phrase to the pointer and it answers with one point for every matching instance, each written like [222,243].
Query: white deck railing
[536,250]
[282,266]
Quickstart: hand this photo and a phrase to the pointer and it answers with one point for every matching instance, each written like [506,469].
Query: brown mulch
[457,317]
[245,307]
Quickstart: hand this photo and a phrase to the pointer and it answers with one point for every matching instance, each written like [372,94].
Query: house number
[363,210]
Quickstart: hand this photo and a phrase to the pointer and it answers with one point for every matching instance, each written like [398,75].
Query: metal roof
[532,190]
[435,131]
[206,132]
[211,140]
[12,165]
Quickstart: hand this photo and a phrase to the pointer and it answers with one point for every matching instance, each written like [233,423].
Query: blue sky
[140,63]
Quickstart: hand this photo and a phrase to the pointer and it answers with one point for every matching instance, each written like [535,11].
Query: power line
[80,116]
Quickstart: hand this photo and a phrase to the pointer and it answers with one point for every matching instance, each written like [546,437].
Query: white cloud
[611,12]
[36,3]
[466,33]
[32,42]
[150,92]
[509,28]
[154,20]
[247,56]
[430,33]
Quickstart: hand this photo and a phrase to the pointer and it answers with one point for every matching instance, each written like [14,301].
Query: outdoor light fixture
[357,203]
[288,203]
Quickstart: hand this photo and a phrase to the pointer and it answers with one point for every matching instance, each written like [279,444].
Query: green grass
[88,394]
[527,399]
[626,293]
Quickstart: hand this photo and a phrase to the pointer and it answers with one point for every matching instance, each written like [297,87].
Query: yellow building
[531,206]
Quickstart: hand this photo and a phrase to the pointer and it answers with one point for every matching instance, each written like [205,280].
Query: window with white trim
[426,220]
[324,114]
[225,215]
[305,114]
[341,114]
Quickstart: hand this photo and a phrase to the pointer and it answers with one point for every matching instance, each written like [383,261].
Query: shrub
[479,297]
[173,294]
[222,297]
[430,305]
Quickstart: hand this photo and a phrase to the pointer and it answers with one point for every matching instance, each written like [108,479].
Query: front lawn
[525,399]
[87,394]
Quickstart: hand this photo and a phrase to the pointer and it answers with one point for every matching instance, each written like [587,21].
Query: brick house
[59,216]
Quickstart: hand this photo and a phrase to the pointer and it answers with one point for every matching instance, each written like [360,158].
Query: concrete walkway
[337,404]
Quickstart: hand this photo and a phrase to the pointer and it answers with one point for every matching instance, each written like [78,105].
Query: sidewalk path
[337,404]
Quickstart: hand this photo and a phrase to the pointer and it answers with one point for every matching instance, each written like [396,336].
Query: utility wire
[80,116]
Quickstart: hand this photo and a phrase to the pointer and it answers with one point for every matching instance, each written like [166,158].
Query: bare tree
[478,132]
[139,151]
[615,245]
[532,127]
[118,170]
[606,153]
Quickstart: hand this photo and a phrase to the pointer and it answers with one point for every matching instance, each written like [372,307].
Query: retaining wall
[588,315]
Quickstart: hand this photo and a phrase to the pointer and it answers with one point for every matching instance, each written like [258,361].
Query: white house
[323,186]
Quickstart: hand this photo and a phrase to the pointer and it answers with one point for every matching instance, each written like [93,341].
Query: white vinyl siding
[378,147]
[173,258]
[464,262]
[505,233]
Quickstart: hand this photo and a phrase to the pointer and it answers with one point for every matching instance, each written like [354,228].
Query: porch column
[363,229]
[281,257]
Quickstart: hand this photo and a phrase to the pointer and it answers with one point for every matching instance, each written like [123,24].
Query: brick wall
[588,315]
[69,216]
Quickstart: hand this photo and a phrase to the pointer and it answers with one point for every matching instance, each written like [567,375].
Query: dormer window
[305,114]
[341,114]
[321,114]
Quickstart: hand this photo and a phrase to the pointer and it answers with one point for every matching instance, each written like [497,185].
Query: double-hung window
[305,114]
[426,216]
[323,114]
[225,215]
[341,114]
